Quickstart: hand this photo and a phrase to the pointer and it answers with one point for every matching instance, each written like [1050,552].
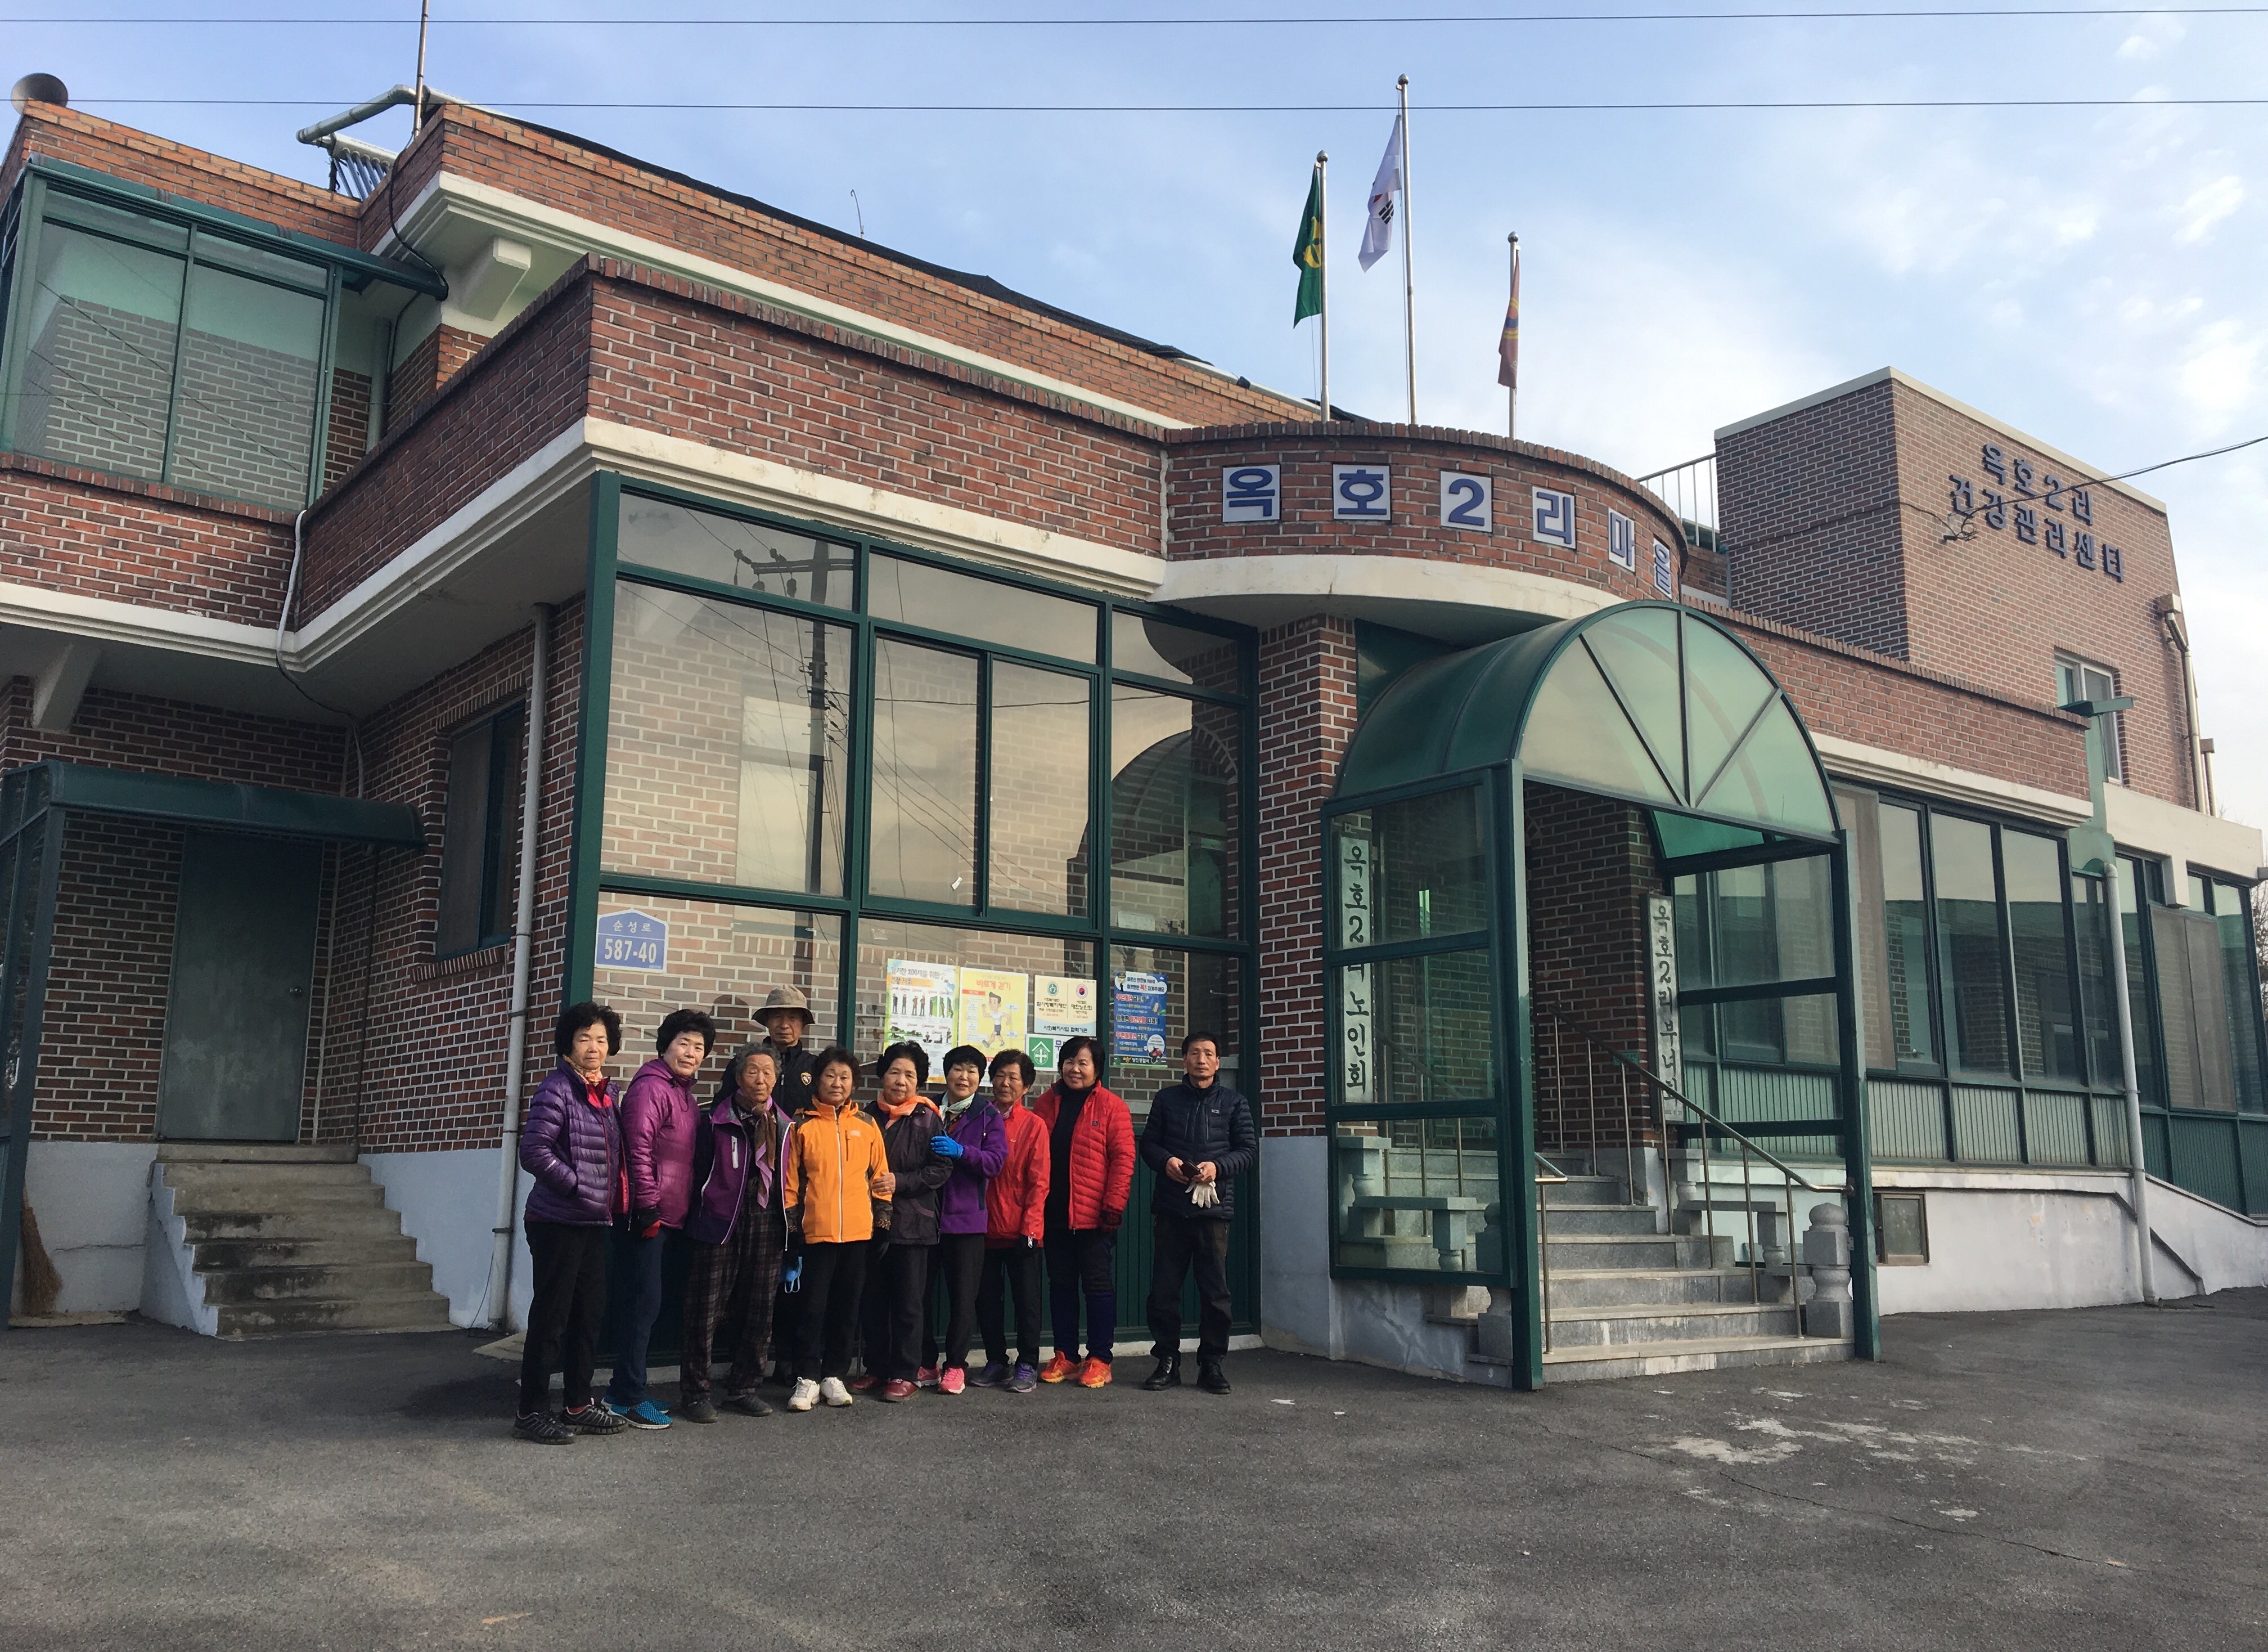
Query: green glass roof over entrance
[1647,702]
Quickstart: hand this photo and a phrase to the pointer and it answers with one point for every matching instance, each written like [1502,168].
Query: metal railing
[1690,490]
[1570,1123]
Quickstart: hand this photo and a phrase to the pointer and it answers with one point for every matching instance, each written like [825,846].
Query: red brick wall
[350,431]
[1416,459]
[154,737]
[498,151]
[1307,716]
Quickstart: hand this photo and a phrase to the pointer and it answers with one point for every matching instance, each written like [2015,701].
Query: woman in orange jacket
[1090,1174]
[835,1170]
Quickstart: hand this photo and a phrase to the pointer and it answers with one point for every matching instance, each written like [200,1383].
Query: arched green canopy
[1647,702]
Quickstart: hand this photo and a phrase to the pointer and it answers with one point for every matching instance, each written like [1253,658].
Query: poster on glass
[1063,1006]
[923,999]
[1138,1016]
[992,1009]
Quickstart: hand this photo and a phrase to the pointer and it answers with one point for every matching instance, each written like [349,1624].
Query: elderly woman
[835,1171]
[659,1114]
[571,1145]
[737,1235]
[900,1279]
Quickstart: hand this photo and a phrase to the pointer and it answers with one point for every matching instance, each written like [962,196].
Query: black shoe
[1168,1373]
[541,1428]
[1211,1377]
[593,1418]
[696,1409]
[749,1404]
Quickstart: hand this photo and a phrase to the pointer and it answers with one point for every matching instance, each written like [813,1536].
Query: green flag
[1307,254]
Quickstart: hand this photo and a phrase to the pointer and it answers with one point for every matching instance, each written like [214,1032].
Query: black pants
[733,1285]
[1017,1268]
[834,1280]
[960,1260]
[570,1305]
[1079,1266]
[1182,1242]
[901,1283]
[642,1261]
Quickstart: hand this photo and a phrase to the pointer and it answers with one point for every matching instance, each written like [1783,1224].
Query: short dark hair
[834,1056]
[962,1056]
[576,1017]
[1072,1045]
[685,1021]
[1011,1059]
[1189,1038]
[904,1050]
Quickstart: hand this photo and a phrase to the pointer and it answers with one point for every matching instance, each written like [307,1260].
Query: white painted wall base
[448,1202]
[90,1198]
[172,1293]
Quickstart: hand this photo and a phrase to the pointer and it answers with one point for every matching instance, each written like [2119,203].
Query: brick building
[553,576]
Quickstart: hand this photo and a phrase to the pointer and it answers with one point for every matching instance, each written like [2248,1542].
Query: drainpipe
[2178,632]
[523,954]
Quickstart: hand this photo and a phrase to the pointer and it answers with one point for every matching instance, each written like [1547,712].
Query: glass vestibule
[943,802]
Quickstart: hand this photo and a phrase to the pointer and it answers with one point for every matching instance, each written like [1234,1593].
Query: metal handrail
[1683,1099]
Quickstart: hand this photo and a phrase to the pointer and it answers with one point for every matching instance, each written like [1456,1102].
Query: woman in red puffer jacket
[1090,1174]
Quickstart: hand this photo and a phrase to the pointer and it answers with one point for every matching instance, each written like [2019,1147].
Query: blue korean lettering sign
[2023,495]
[1555,516]
[632,940]
[1251,493]
[1362,493]
[1665,570]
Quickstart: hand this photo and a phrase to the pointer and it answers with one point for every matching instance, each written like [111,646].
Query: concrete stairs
[1626,1301]
[274,1241]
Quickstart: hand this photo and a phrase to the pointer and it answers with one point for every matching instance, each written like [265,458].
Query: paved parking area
[2076,1481]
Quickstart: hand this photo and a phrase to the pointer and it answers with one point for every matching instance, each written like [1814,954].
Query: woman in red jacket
[1090,1174]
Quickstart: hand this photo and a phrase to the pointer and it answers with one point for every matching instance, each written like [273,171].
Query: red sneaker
[866,1384]
[1094,1373]
[895,1390]
[926,1377]
[1059,1369]
[952,1380]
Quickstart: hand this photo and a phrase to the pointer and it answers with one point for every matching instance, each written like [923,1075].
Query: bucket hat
[786,998]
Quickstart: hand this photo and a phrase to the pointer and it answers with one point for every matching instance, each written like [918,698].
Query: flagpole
[1408,282]
[1512,390]
[1323,276]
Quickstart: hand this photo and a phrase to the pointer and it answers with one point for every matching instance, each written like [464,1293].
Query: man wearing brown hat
[786,1016]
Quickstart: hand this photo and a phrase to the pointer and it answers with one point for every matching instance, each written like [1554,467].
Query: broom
[41,1283]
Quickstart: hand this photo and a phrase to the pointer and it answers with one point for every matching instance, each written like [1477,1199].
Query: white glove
[1203,1196]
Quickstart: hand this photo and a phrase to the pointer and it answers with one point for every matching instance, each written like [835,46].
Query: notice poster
[923,997]
[992,1009]
[1063,1006]
[1138,1016]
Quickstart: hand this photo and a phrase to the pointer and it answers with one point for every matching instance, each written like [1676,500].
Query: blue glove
[945,1147]
[792,1279]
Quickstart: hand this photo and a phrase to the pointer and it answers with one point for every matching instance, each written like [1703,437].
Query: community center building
[1660,920]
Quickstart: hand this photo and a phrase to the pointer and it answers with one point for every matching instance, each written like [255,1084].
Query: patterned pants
[732,1284]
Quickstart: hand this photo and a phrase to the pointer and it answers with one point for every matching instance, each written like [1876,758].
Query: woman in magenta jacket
[660,1115]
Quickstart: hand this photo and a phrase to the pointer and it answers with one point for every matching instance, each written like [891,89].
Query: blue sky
[2089,274]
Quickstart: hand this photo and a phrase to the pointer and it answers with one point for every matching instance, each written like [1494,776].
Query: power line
[1444,19]
[1632,107]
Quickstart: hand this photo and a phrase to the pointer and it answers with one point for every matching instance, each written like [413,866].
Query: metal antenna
[861,211]
[417,113]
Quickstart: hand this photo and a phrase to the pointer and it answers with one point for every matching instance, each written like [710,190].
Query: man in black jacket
[1198,1139]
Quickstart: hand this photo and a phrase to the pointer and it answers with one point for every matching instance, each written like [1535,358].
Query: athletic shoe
[895,1390]
[644,1414]
[593,1418]
[865,1382]
[831,1391]
[1168,1375]
[991,1374]
[952,1380]
[697,1410]
[541,1428]
[1024,1381]
[805,1395]
[1211,1377]
[749,1404]
[1058,1369]
[1094,1373]
[926,1377]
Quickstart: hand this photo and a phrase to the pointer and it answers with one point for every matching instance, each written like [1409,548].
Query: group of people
[819,1228]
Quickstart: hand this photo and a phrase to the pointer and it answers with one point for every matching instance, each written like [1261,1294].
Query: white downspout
[523,957]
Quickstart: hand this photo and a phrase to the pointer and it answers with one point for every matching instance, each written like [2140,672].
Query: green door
[236,1018]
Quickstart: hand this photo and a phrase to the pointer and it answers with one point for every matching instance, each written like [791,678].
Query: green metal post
[22,1076]
[1858,1148]
[590,739]
[1517,1171]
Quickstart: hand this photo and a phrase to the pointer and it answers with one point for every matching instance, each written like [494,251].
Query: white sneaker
[805,1395]
[833,1392]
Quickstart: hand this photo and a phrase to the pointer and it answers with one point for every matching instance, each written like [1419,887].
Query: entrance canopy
[1647,702]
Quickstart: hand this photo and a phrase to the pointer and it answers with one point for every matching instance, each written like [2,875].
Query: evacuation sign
[632,940]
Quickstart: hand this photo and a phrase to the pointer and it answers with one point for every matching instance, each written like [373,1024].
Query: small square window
[479,831]
[1902,1229]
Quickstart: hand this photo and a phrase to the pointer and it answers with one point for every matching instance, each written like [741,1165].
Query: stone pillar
[1827,1252]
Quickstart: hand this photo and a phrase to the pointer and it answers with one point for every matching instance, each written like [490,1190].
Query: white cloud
[2216,375]
[2209,205]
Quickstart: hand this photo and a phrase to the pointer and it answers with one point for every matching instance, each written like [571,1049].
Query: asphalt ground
[2072,1480]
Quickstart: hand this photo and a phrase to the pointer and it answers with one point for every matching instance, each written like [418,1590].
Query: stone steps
[1646,1323]
[1564,1221]
[409,1310]
[1589,1251]
[328,1252]
[1577,1289]
[1603,1364]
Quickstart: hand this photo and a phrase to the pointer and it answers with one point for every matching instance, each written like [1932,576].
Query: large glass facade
[1971,964]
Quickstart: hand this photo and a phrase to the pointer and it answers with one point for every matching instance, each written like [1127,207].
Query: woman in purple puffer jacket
[572,1146]
[975,1139]
[661,1116]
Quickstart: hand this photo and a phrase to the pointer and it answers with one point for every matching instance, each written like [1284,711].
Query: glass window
[1039,782]
[728,743]
[1153,648]
[936,598]
[251,360]
[1775,923]
[1971,965]
[1905,928]
[1412,870]
[2098,1011]
[749,556]
[1158,997]
[938,986]
[2046,1021]
[722,960]
[1419,1194]
[2077,680]
[2240,984]
[1174,814]
[1418,1029]
[2149,1062]
[97,385]
[2193,1008]
[922,834]
[480,837]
